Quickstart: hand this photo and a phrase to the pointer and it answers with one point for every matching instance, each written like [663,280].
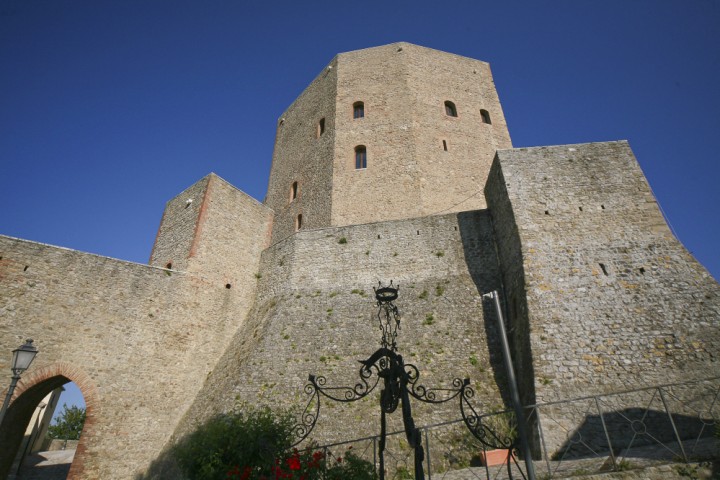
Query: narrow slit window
[358,110]
[445,145]
[450,109]
[293,191]
[321,127]
[485,116]
[298,222]
[360,157]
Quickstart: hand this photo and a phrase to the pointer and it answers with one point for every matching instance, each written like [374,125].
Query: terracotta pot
[490,458]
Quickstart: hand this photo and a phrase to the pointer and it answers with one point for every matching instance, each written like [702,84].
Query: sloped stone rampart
[608,298]
[315,310]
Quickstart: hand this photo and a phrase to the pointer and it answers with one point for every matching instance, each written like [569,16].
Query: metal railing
[599,433]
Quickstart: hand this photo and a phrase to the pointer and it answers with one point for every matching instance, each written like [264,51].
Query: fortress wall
[448,179]
[514,298]
[141,339]
[614,301]
[301,156]
[177,230]
[404,87]
[315,313]
[233,230]
[389,187]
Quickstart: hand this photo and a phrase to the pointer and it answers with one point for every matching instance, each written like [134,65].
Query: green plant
[342,241]
[323,359]
[429,318]
[423,295]
[439,290]
[623,465]
[402,473]
[258,275]
[439,253]
[251,438]
[395,254]
[473,360]
[503,425]
[358,292]
[329,311]
[351,467]
[333,294]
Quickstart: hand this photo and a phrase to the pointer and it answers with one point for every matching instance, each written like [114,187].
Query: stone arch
[31,389]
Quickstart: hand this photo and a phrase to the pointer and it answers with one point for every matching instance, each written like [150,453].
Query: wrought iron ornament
[400,381]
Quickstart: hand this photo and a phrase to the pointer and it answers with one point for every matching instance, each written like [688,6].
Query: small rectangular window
[360,157]
[358,110]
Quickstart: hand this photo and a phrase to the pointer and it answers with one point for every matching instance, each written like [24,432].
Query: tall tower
[391,132]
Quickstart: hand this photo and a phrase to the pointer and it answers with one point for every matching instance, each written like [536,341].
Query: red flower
[293,463]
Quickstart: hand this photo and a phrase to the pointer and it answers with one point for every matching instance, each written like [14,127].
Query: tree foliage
[68,424]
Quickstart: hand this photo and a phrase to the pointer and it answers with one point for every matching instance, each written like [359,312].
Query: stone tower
[415,127]
[395,163]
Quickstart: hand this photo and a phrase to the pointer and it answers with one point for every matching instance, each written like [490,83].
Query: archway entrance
[26,421]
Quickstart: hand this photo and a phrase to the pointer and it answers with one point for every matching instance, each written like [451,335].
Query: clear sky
[109,108]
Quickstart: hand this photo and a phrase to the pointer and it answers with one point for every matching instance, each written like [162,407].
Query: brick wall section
[315,310]
[614,301]
[301,156]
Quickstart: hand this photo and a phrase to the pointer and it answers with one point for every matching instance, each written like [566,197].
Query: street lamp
[22,358]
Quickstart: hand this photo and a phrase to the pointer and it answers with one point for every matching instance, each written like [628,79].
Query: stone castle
[394,163]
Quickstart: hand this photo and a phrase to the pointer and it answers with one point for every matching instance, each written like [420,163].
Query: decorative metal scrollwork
[400,381]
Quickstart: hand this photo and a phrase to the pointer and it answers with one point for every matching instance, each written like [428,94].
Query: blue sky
[110,108]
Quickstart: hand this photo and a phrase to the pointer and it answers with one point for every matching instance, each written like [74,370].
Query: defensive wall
[421,160]
[601,296]
[315,313]
[138,340]
[240,303]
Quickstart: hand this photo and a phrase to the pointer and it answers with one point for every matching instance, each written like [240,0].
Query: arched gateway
[33,387]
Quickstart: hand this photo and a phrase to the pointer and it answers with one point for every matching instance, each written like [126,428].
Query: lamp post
[22,358]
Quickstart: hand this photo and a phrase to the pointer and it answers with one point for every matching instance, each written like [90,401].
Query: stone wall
[315,313]
[304,156]
[138,340]
[609,298]
[410,172]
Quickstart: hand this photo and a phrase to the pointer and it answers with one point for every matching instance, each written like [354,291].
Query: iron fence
[594,434]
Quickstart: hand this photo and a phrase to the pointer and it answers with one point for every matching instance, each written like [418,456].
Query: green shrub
[351,467]
[251,439]
[253,444]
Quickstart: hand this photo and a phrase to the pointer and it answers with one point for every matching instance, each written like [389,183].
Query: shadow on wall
[478,241]
[632,430]
[162,468]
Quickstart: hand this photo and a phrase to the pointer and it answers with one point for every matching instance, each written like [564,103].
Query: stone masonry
[240,301]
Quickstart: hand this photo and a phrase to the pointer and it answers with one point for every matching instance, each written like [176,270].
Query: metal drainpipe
[514,393]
